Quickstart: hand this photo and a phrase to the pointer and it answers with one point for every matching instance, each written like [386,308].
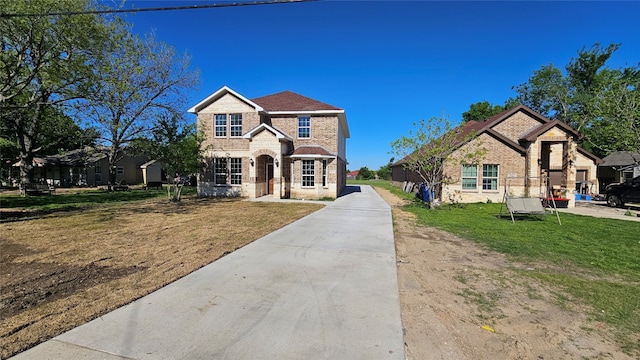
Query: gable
[227,103]
[517,125]
[220,94]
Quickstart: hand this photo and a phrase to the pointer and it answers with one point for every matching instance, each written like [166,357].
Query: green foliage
[176,145]
[598,101]
[45,61]
[481,111]
[365,174]
[385,171]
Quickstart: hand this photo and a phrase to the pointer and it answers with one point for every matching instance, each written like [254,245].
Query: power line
[186,7]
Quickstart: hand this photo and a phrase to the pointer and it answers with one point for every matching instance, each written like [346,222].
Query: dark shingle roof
[290,101]
[621,158]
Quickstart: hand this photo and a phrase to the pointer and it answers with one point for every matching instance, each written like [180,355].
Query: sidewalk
[324,287]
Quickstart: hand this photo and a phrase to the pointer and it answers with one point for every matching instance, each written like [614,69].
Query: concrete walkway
[601,210]
[324,287]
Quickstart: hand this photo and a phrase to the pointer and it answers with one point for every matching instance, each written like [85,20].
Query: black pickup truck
[620,193]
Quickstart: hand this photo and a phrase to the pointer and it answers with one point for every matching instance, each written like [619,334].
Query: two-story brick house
[524,152]
[285,145]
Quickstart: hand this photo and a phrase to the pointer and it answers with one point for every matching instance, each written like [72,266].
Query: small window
[236,125]
[308,173]
[324,172]
[469,177]
[98,169]
[220,171]
[304,127]
[120,170]
[236,171]
[489,177]
[627,176]
[221,125]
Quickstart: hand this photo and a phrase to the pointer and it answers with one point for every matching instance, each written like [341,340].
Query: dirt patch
[65,269]
[462,301]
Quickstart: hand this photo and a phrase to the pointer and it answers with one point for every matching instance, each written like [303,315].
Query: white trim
[218,94]
[279,135]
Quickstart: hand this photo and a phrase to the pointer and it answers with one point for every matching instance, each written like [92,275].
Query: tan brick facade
[267,149]
[517,125]
[520,144]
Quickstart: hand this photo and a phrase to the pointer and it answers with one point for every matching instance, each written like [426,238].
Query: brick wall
[509,161]
[516,126]
[324,130]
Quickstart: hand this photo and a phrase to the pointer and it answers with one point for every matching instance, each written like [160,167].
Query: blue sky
[387,63]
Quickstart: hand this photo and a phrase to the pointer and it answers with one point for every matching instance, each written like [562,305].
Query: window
[304,126]
[220,171]
[227,171]
[627,176]
[221,125]
[324,172]
[469,177]
[120,170]
[489,177]
[308,173]
[236,124]
[236,171]
[98,169]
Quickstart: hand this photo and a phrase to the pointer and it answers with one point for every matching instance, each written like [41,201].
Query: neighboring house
[284,145]
[84,167]
[519,143]
[353,175]
[618,167]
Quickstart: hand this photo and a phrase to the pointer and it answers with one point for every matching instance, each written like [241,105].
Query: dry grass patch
[63,270]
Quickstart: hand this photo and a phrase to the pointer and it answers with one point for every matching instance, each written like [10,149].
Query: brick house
[519,143]
[284,145]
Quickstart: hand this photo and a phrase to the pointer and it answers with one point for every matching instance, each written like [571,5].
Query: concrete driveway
[324,287]
[601,210]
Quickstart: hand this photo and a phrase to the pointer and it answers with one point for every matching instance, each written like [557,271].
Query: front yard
[87,254]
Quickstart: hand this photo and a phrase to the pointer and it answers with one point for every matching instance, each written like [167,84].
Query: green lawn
[594,261]
[80,199]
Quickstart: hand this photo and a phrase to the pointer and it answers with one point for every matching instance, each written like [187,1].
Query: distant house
[520,143]
[281,145]
[352,175]
[618,167]
[85,167]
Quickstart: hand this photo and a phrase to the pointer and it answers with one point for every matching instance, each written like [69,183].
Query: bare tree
[426,150]
[141,81]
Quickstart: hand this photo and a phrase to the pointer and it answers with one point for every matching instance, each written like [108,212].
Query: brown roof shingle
[290,101]
[312,150]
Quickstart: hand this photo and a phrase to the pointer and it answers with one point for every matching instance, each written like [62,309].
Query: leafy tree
[481,110]
[365,174]
[178,147]
[45,61]
[142,81]
[385,171]
[429,147]
[601,103]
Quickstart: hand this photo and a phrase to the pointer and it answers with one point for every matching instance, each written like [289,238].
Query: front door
[270,178]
